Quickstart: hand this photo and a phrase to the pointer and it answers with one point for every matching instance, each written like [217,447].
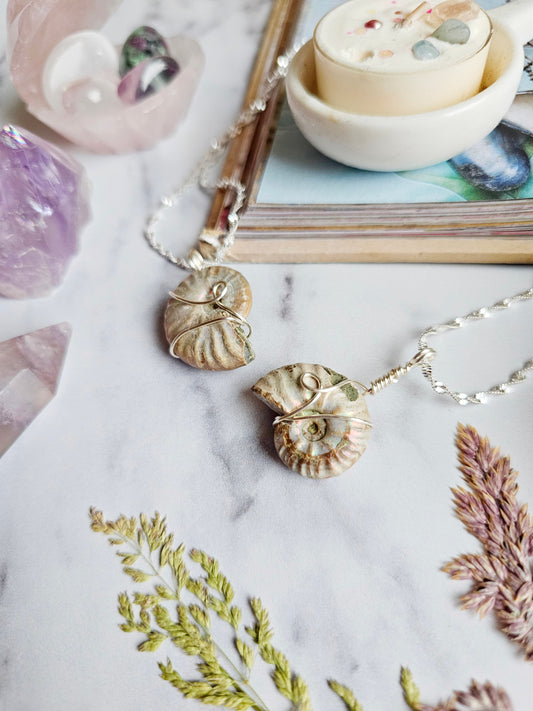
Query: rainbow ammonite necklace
[205,318]
[322,424]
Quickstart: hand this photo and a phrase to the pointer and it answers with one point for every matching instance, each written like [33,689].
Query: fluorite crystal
[30,368]
[43,206]
[144,43]
[147,78]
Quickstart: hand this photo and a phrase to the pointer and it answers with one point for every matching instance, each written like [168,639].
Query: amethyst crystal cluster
[43,206]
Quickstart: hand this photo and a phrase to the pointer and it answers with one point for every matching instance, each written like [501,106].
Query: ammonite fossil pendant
[205,320]
[323,424]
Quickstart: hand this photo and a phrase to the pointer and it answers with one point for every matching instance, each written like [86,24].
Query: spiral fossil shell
[222,345]
[316,447]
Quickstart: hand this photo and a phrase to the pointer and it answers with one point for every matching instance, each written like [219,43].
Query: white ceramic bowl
[395,143]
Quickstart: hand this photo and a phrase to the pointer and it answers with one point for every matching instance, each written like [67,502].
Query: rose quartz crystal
[43,206]
[30,368]
[35,27]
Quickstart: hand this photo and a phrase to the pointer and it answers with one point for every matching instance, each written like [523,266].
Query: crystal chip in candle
[43,206]
[78,56]
[453,31]
[144,43]
[424,50]
[460,9]
[147,78]
[91,95]
[30,368]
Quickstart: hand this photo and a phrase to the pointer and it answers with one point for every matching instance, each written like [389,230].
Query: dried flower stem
[502,576]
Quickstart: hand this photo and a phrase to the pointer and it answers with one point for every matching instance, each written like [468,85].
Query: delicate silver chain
[222,243]
[481,397]
[199,176]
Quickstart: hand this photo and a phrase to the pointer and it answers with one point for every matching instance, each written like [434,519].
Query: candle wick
[416,14]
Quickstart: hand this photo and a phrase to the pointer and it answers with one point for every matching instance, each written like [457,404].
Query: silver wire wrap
[219,291]
[199,176]
[422,358]
[518,376]
[317,391]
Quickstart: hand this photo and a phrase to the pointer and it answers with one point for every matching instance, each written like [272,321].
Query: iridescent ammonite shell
[323,424]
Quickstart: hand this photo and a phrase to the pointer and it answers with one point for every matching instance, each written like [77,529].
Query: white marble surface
[349,568]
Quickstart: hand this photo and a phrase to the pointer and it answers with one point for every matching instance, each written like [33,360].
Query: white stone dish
[394,143]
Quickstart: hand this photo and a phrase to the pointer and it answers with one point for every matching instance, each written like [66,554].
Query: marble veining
[286,308]
[3,578]
[349,567]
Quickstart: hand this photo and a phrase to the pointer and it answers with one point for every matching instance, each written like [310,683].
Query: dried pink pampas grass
[502,576]
[478,698]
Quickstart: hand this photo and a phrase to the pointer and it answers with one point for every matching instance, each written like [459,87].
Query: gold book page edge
[356,248]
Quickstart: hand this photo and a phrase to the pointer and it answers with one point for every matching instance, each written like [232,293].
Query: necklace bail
[196,260]
[423,356]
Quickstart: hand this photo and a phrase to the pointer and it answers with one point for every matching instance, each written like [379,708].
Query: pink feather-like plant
[502,575]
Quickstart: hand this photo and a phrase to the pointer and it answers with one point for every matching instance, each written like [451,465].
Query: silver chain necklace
[323,424]
[199,177]
[205,318]
[206,326]
[479,398]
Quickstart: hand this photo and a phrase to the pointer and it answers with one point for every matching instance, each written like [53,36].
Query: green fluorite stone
[144,43]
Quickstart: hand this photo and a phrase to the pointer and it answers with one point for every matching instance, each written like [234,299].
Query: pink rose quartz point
[43,206]
[36,27]
[30,368]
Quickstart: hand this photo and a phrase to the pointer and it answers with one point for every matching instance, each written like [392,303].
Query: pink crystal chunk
[36,27]
[30,368]
[43,206]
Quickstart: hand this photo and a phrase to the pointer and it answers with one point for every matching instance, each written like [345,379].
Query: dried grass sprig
[179,609]
[502,576]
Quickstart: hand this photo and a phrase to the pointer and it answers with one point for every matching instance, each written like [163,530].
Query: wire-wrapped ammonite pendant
[323,424]
[205,320]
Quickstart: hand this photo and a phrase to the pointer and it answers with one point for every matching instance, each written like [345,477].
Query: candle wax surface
[371,35]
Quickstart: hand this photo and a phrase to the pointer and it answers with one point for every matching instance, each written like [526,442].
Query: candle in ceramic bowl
[397,57]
